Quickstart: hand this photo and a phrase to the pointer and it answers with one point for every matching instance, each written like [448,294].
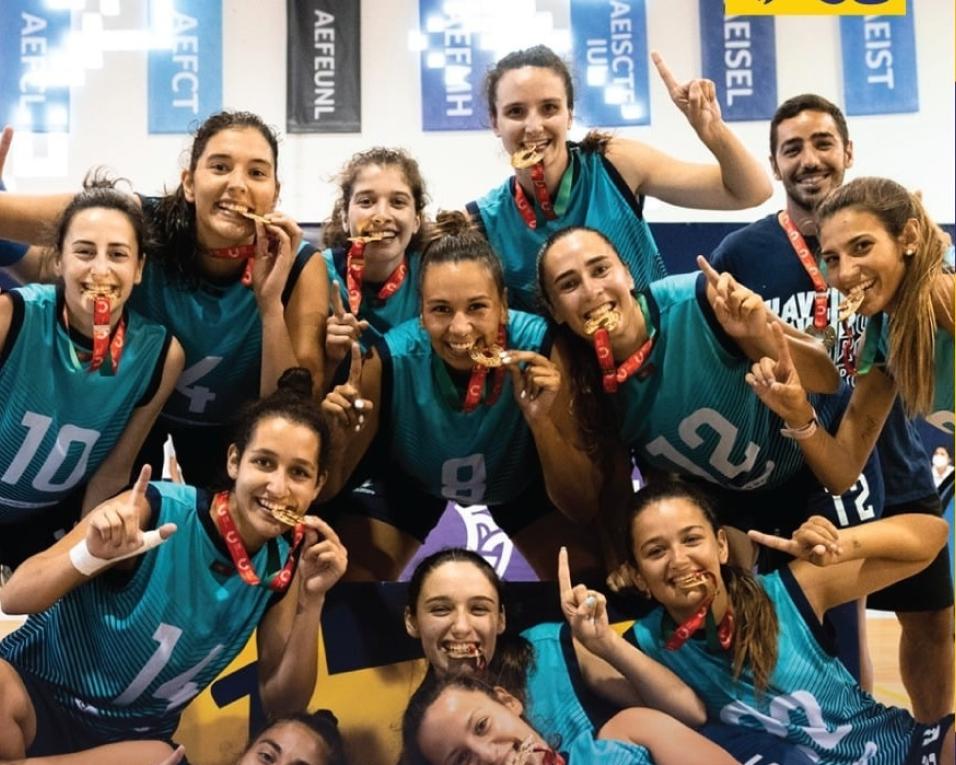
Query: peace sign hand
[817,541]
[697,99]
[740,311]
[342,328]
[584,609]
[114,532]
[778,385]
[536,386]
[344,407]
[322,561]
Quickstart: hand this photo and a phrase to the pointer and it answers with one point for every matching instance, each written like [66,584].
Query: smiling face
[582,276]
[461,307]
[278,471]
[469,727]
[382,201]
[811,157]
[531,110]
[287,743]
[98,254]
[236,171]
[672,541]
[859,252]
[457,614]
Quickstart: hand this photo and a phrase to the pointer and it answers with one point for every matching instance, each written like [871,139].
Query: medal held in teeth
[605,317]
[525,157]
[851,303]
[486,356]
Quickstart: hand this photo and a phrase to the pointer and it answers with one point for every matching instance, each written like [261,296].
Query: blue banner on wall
[29,33]
[453,68]
[739,54]
[609,42]
[879,64]
[185,83]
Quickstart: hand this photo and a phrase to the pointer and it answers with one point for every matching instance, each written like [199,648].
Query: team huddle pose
[525,354]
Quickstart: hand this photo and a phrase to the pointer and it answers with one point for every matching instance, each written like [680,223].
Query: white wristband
[88,564]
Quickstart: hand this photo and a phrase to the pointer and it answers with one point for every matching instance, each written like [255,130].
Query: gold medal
[604,318]
[525,157]
[827,335]
[850,304]
[486,356]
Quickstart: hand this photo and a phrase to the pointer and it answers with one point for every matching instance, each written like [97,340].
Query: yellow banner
[815,7]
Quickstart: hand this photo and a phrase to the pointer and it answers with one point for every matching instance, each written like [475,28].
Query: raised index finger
[663,71]
[564,574]
[337,308]
[142,481]
[355,368]
[712,274]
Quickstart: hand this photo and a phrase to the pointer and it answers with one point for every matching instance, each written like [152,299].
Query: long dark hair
[513,654]
[335,232]
[756,627]
[593,410]
[176,216]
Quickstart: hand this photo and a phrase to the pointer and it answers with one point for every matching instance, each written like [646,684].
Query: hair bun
[100,177]
[296,380]
[325,714]
[450,223]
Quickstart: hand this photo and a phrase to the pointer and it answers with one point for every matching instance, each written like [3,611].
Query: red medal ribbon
[540,193]
[101,336]
[476,383]
[725,631]
[240,252]
[355,273]
[611,375]
[240,558]
[821,298]
[549,756]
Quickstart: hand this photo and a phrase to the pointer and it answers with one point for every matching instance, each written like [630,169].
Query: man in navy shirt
[810,150]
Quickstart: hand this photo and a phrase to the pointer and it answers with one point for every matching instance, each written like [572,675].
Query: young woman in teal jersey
[884,252]
[373,284]
[603,181]
[479,436]
[78,425]
[455,607]
[237,340]
[194,573]
[756,650]
[701,330]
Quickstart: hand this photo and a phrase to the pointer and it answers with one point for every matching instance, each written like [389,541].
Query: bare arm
[352,412]
[836,566]
[737,181]
[654,685]
[113,474]
[838,460]
[305,317]
[287,637]
[112,531]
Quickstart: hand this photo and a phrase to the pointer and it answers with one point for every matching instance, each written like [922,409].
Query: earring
[910,252]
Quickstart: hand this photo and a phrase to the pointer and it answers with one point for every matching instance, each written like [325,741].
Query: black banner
[324,93]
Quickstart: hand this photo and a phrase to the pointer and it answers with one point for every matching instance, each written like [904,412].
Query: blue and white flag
[185,82]
[739,54]
[609,43]
[879,64]
[29,33]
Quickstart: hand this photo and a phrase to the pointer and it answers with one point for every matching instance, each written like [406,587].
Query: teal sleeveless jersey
[599,199]
[556,696]
[220,330]
[485,456]
[812,701]
[875,352]
[694,413]
[59,420]
[133,655]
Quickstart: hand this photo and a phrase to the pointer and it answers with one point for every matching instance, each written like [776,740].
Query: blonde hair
[912,328]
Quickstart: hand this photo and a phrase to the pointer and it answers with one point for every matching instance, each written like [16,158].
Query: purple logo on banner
[879,64]
[185,83]
[29,32]
[453,67]
[609,41]
[739,54]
